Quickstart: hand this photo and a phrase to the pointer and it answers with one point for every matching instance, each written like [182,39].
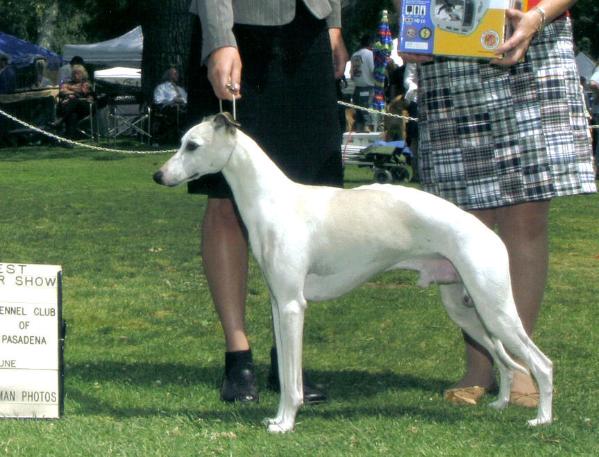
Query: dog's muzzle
[158,177]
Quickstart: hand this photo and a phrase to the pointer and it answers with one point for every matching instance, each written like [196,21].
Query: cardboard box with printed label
[469,28]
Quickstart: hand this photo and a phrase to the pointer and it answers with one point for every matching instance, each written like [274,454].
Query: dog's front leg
[288,323]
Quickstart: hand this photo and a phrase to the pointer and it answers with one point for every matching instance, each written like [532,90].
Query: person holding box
[501,139]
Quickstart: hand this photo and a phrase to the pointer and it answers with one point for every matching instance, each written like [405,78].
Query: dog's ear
[225,120]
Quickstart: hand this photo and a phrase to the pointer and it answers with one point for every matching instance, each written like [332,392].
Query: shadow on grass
[349,383]
[255,413]
[349,391]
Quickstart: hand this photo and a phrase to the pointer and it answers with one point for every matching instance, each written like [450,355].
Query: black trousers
[72,110]
[288,103]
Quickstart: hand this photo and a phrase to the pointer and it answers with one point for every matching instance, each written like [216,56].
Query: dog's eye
[191,146]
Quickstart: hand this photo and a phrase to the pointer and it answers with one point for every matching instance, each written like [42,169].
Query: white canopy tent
[120,75]
[123,51]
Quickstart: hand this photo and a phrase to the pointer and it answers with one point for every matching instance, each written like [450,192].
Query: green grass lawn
[144,349]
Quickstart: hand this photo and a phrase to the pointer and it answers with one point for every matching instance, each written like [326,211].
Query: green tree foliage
[77,21]
[585,15]
[21,18]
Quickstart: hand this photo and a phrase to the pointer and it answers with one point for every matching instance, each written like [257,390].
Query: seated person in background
[170,100]
[169,93]
[41,81]
[65,72]
[8,79]
[74,100]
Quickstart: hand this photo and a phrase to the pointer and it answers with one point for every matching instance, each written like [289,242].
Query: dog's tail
[506,358]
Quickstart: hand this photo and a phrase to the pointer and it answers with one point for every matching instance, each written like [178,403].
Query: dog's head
[205,149]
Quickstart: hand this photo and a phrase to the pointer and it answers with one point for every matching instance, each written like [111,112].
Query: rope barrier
[163,151]
[75,143]
[374,111]
[407,118]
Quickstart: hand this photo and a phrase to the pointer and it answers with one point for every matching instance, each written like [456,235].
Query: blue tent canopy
[22,53]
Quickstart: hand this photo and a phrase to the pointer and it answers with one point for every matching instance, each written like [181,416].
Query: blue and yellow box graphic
[469,28]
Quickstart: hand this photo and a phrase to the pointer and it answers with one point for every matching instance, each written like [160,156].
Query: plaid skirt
[492,136]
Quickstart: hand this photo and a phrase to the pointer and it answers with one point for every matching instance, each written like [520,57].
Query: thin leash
[233,90]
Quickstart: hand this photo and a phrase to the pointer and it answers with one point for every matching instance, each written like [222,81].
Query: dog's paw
[498,404]
[271,420]
[278,428]
[539,421]
[276,425]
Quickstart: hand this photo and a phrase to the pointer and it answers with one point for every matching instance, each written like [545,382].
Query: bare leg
[479,366]
[225,257]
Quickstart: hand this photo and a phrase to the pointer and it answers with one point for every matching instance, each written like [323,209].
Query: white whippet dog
[311,245]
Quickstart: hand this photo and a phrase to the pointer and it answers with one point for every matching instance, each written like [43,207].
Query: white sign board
[30,340]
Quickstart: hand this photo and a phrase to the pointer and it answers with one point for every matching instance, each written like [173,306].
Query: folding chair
[87,125]
[128,116]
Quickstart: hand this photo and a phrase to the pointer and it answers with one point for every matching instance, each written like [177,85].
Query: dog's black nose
[158,177]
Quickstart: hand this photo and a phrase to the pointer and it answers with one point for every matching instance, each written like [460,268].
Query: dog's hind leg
[541,369]
[515,340]
[498,322]
[505,381]
[288,323]
[461,310]
[489,286]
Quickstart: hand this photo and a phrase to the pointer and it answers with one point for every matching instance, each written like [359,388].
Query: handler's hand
[224,72]
[525,26]
[340,54]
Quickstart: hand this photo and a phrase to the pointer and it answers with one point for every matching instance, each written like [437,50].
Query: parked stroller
[389,160]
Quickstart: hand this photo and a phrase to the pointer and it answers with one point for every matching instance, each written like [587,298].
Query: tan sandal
[528,397]
[468,396]
[527,400]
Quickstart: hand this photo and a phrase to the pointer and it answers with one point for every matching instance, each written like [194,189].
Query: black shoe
[239,381]
[313,393]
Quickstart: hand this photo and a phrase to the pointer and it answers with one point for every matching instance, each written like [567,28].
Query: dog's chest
[333,273]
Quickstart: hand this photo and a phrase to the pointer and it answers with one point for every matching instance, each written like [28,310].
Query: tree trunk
[47,25]
[166,26]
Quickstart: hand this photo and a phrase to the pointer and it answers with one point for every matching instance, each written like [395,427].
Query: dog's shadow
[346,389]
